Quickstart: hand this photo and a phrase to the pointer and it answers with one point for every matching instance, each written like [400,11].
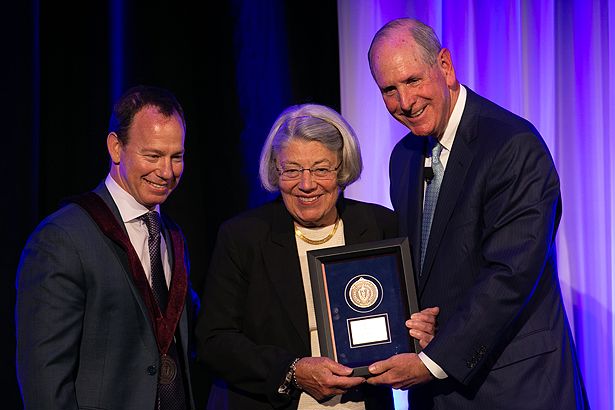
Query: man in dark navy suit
[478,195]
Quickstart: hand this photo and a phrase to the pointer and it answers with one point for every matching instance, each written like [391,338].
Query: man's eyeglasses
[291,174]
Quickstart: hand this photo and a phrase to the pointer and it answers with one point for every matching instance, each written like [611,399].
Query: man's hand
[322,377]
[400,371]
[423,325]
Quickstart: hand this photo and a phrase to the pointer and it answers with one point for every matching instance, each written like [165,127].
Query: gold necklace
[304,238]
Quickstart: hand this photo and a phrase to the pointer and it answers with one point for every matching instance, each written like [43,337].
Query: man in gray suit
[103,293]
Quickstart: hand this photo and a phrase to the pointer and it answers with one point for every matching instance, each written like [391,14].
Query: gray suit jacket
[84,337]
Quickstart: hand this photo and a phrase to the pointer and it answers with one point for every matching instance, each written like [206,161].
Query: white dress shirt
[130,211]
[447,140]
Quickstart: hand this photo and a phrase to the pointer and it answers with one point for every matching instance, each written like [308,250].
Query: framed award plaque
[363,295]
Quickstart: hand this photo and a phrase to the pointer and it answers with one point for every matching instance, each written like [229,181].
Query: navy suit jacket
[254,319]
[490,265]
[84,337]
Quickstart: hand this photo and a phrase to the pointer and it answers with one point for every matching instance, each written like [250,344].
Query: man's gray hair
[421,33]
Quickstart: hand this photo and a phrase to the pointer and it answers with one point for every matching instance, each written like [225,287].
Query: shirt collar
[453,123]
[128,206]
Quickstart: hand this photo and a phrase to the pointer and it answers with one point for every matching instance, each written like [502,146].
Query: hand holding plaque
[363,295]
[401,371]
[423,325]
[321,377]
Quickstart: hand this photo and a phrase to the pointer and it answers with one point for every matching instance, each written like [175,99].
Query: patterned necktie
[431,197]
[159,283]
[171,393]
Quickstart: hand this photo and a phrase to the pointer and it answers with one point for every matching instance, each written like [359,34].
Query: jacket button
[151,370]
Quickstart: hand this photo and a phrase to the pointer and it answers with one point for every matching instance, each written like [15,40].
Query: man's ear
[445,63]
[114,146]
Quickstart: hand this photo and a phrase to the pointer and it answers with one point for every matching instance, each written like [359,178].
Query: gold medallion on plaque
[168,369]
[363,293]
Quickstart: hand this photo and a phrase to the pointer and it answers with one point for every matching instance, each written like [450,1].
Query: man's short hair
[134,100]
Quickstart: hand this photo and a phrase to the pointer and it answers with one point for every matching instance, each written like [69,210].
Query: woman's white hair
[311,122]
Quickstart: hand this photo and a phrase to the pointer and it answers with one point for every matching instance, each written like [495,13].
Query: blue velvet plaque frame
[363,295]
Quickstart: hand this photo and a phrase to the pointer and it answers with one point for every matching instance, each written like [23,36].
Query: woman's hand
[423,325]
[322,377]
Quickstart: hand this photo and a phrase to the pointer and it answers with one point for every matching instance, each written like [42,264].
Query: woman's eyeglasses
[292,173]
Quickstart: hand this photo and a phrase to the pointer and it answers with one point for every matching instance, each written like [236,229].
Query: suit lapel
[101,190]
[410,195]
[359,226]
[283,268]
[459,162]
[182,326]
[415,207]
[355,231]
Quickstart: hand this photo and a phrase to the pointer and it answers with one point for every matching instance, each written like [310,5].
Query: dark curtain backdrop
[234,65]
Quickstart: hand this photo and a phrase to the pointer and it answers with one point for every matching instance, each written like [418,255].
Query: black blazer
[254,318]
[490,265]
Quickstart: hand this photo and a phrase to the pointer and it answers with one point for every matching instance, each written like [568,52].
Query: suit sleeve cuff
[432,366]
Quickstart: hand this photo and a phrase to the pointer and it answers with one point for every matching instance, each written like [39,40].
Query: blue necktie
[431,197]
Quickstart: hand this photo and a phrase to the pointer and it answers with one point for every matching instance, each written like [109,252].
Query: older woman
[257,331]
